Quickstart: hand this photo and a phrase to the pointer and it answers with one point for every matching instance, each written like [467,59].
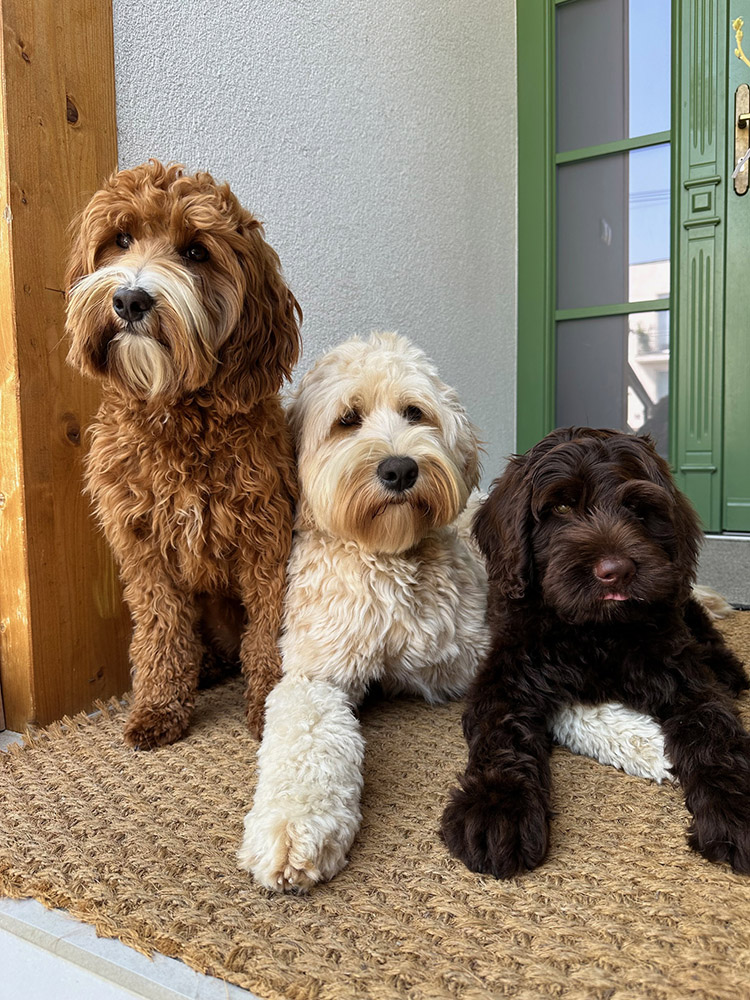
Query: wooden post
[63,630]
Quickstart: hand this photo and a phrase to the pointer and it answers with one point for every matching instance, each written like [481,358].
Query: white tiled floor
[47,955]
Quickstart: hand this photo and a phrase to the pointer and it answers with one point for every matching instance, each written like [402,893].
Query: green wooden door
[736,398]
[627,233]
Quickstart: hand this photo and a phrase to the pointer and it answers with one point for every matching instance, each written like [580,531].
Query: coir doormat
[142,845]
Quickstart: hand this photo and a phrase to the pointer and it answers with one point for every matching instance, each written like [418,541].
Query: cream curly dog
[385,588]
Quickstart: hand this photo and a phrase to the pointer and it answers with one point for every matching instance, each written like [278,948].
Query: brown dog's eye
[350,419]
[197,253]
[636,511]
[413,414]
[562,508]
[123,240]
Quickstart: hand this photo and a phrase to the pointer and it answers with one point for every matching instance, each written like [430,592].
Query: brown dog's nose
[614,572]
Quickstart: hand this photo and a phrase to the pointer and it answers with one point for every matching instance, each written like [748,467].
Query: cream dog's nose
[398,473]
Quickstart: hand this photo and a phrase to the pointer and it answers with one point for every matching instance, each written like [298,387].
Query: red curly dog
[178,303]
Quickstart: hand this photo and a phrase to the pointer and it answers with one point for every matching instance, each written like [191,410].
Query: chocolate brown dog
[592,554]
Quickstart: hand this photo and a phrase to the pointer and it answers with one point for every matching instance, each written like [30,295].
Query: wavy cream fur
[400,603]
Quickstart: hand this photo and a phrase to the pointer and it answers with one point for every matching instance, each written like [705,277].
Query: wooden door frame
[63,631]
[698,137]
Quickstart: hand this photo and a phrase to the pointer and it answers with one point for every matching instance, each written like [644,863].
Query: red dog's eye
[123,240]
[197,253]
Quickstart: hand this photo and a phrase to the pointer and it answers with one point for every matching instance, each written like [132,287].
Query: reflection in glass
[649,223]
[613,371]
[613,70]
[613,229]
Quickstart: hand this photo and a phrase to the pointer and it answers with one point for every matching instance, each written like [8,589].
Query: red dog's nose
[614,572]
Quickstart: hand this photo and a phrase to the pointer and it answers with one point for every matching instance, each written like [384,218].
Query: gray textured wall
[376,139]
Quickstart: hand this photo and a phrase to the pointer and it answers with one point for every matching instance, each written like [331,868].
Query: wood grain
[63,630]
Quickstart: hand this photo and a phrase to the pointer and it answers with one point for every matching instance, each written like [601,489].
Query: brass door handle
[741,175]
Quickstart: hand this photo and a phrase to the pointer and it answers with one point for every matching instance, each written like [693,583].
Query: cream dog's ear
[304,520]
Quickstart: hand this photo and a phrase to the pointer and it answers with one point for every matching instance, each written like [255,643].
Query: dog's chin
[589,605]
[141,361]
[140,364]
[389,527]
[599,609]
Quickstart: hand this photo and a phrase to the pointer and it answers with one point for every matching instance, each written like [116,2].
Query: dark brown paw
[148,728]
[499,830]
[722,834]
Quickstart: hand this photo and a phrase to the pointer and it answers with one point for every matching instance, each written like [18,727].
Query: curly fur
[191,467]
[384,588]
[565,629]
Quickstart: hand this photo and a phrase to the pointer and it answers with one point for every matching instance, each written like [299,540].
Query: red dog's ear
[502,530]
[276,311]
[76,266]
[268,346]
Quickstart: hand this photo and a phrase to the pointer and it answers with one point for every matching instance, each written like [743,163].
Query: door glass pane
[613,70]
[613,229]
[613,371]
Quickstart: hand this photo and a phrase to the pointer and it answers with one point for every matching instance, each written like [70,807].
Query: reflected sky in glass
[613,71]
[650,33]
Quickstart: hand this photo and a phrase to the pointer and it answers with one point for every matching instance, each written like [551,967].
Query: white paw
[293,856]
[613,734]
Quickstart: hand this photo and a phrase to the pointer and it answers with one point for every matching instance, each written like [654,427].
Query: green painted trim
[535,383]
[609,148]
[736,514]
[675,124]
[700,181]
[620,309]
[712,220]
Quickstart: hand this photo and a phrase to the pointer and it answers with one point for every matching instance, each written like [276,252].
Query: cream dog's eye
[413,414]
[350,419]
[123,240]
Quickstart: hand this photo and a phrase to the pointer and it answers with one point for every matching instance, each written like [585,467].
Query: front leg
[497,822]
[165,654]
[726,666]
[262,586]
[306,809]
[710,751]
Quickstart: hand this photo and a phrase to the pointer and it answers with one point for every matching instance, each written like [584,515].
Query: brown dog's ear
[688,534]
[501,530]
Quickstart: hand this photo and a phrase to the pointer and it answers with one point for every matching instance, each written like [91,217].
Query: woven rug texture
[142,846]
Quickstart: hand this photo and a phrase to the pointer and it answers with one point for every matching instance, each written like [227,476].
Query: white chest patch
[414,621]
